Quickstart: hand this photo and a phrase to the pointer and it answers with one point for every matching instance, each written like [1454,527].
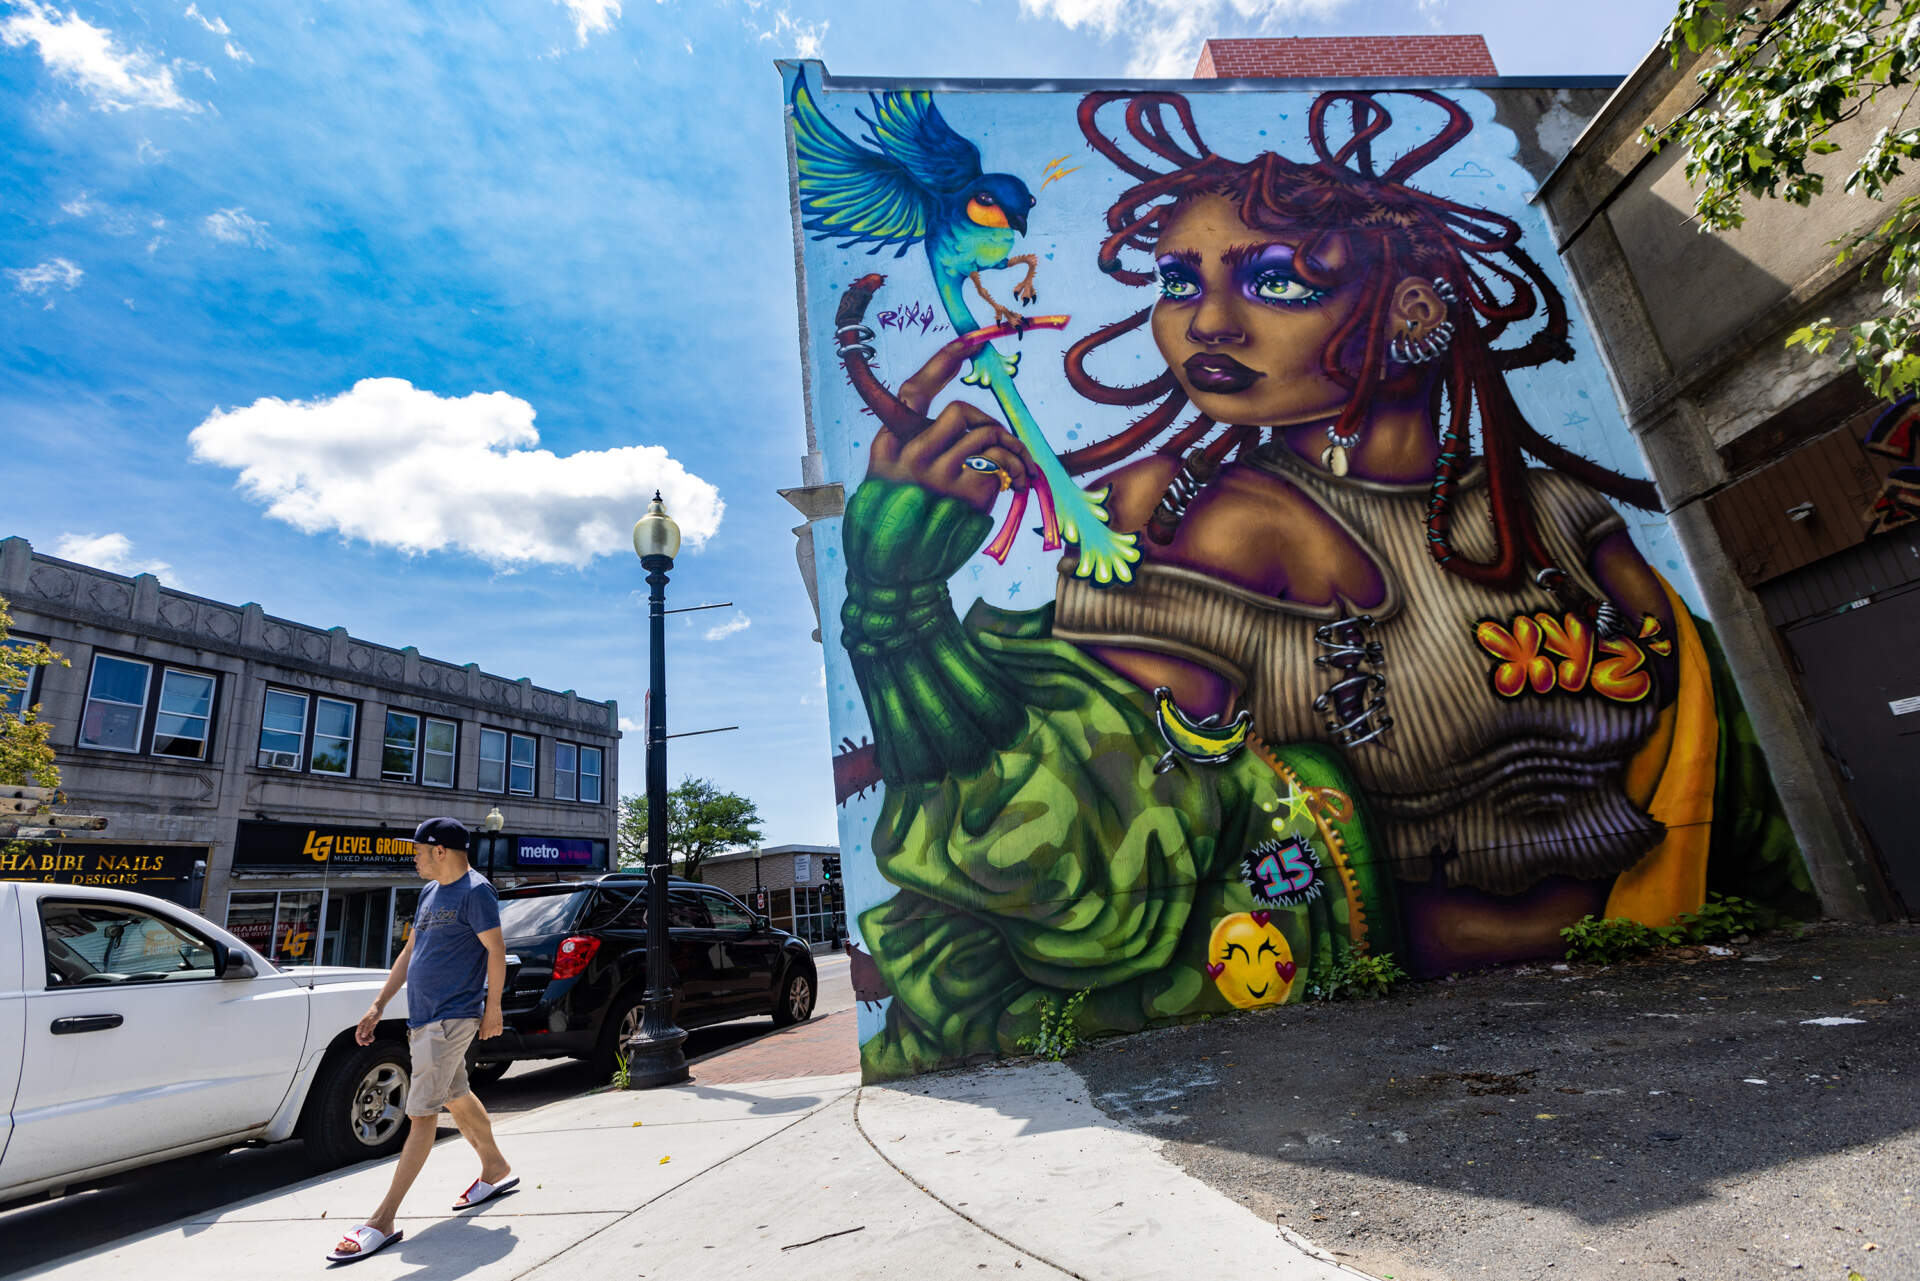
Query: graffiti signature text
[1542,653]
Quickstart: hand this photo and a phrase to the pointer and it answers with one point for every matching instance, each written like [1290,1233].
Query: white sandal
[370,1239]
[482,1192]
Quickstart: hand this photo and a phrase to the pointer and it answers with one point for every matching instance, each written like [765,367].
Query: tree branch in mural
[1322,521]
[919,182]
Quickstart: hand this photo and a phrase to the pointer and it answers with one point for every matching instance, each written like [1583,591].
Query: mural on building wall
[1259,579]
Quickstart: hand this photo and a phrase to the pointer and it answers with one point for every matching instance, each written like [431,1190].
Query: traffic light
[830,869]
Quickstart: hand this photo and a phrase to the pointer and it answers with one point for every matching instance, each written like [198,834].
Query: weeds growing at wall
[622,1072]
[1372,975]
[1057,1037]
[1615,938]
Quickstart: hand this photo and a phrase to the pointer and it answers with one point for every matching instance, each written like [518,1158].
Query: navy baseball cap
[450,832]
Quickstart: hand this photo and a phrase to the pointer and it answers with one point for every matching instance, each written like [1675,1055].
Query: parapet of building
[1328,57]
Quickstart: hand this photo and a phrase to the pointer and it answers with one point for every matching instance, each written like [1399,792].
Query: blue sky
[390,315]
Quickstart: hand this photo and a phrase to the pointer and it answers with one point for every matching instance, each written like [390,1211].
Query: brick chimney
[1325,57]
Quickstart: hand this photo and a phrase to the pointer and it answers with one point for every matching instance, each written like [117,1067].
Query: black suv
[577,965]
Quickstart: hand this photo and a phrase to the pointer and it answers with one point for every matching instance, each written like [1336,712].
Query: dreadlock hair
[1395,231]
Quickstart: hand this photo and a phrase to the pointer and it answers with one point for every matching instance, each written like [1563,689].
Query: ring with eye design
[987,464]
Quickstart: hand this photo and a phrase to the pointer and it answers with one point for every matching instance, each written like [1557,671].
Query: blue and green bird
[919,182]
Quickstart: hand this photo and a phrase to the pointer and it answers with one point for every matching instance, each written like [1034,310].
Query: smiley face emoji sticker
[1249,961]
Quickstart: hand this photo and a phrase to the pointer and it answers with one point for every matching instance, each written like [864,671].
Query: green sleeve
[933,700]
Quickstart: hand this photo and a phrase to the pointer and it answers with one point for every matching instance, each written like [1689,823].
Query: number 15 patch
[1285,872]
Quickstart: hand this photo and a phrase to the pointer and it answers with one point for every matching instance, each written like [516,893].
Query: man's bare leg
[477,1128]
[413,1158]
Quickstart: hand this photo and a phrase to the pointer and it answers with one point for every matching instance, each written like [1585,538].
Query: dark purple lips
[1220,375]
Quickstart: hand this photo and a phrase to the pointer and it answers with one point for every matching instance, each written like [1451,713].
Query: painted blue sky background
[287,292]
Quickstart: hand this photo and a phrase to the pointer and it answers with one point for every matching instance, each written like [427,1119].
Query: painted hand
[964,453]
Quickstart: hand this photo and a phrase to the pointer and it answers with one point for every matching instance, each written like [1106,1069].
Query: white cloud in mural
[89,58]
[727,627]
[398,466]
[236,227]
[54,273]
[1166,35]
[111,552]
[590,16]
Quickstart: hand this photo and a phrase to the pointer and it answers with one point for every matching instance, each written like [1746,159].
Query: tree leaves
[1778,87]
[702,821]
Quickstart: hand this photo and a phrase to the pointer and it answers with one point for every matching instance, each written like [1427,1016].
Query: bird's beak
[1018,221]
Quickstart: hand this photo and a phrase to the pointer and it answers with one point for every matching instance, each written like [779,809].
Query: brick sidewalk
[821,1047]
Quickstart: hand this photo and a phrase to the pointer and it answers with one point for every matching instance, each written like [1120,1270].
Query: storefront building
[789,885]
[268,774]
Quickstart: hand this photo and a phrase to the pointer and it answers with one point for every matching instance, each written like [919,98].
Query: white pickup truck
[134,1031]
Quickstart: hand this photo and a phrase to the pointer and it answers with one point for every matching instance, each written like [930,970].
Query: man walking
[454,968]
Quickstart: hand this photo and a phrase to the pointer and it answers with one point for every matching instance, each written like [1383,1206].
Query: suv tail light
[573,956]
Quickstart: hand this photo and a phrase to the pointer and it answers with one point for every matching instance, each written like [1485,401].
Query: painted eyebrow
[1184,257]
[1240,254]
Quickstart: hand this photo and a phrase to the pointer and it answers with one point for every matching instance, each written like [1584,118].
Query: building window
[526,750]
[333,736]
[118,693]
[436,764]
[493,760]
[283,729]
[186,711]
[400,755]
[566,771]
[18,699]
[281,927]
[590,775]
[116,704]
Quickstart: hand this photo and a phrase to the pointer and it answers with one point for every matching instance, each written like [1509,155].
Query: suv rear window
[524,915]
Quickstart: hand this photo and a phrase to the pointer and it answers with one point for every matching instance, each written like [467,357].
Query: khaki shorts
[439,1063]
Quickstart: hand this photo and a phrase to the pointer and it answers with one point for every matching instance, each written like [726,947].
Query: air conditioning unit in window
[280,760]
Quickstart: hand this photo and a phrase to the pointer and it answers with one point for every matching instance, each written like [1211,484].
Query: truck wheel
[358,1108]
[796,999]
[481,1075]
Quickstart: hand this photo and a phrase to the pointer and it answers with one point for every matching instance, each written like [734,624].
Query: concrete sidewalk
[1003,1171]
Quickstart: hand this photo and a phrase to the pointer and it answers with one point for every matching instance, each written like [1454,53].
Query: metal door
[1861,671]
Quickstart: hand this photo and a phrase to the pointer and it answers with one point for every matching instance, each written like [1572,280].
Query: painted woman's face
[1239,327]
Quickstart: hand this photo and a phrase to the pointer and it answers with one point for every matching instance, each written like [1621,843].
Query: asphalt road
[45,1231]
[1723,1119]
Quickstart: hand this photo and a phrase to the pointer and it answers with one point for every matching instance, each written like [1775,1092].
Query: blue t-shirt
[447,975]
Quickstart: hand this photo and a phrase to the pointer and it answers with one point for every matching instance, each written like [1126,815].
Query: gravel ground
[1678,1119]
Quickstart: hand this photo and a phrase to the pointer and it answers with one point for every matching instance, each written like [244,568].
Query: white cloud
[727,627]
[402,467]
[81,205]
[235,227]
[590,16]
[1166,35]
[54,273]
[628,725]
[148,153]
[111,552]
[87,56]
[219,27]
[805,38]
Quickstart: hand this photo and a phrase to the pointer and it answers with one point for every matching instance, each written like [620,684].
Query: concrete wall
[154,800]
[1217,670]
[1693,330]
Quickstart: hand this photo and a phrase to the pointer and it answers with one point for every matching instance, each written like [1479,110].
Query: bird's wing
[850,192]
[910,129]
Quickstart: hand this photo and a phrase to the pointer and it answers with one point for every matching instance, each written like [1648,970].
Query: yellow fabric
[1673,776]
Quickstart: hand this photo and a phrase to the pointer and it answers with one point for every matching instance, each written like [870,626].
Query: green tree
[1780,79]
[702,821]
[26,752]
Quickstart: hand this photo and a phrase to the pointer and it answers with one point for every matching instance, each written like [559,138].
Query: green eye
[1277,286]
[1178,288]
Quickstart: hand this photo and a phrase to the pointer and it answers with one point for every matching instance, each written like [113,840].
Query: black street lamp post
[654,1055]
